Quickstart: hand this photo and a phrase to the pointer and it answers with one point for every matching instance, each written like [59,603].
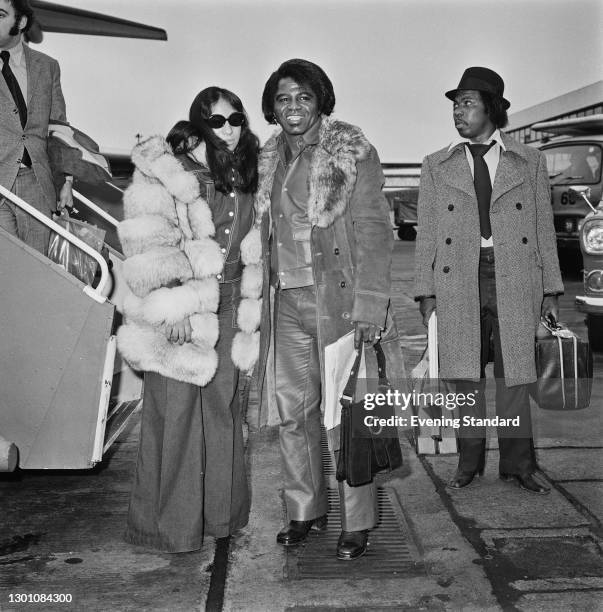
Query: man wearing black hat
[486,262]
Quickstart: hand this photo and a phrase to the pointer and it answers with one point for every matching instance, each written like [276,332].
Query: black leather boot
[297,531]
[352,544]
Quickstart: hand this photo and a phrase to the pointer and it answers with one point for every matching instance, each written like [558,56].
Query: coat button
[336,250]
[518,205]
[450,206]
[448,240]
[219,276]
[346,315]
[445,269]
[524,240]
[342,284]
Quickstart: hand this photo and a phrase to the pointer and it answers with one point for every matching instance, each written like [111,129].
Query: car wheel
[407,232]
[594,324]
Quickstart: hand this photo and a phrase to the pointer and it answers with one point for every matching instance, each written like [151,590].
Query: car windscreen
[576,164]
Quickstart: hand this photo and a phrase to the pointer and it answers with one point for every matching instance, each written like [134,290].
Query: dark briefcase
[365,451]
[564,367]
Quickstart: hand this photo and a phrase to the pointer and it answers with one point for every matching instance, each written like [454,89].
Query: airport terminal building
[581,102]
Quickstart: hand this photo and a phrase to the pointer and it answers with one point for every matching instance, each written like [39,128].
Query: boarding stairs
[65,393]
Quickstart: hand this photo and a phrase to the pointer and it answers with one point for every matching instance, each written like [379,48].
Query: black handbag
[365,451]
[564,369]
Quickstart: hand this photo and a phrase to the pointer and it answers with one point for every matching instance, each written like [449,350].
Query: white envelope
[428,366]
[339,359]
[432,345]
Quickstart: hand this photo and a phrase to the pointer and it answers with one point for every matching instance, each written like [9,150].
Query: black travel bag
[365,451]
[564,369]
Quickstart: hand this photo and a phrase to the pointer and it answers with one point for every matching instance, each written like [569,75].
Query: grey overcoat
[525,253]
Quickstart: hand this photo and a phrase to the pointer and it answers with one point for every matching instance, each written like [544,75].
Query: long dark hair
[495,108]
[183,137]
[22,8]
[187,135]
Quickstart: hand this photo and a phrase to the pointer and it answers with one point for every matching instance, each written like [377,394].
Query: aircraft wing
[53,17]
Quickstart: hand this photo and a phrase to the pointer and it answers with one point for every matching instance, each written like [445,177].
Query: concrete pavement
[490,546]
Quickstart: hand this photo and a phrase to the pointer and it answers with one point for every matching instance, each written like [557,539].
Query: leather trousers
[298,396]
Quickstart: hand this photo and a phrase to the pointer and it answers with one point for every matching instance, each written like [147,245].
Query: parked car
[573,150]
[591,243]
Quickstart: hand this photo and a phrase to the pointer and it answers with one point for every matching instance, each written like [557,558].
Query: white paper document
[339,359]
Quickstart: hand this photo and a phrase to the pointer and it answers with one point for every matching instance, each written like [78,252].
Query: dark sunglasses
[217,121]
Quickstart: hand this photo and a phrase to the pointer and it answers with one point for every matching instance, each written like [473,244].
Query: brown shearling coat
[525,253]
[351,240]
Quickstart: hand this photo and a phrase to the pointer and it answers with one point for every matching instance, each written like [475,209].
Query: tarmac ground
[490,546]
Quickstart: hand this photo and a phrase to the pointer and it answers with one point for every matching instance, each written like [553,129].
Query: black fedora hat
[481,79]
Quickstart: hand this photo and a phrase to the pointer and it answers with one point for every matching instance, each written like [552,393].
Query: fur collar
[332,174]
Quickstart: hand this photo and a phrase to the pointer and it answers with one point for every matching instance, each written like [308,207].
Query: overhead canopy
[53,17]
[576,126]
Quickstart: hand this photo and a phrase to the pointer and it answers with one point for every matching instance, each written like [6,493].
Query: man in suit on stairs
[30,97]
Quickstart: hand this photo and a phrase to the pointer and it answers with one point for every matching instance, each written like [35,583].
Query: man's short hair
[23,9]
[495,108]
[304,73]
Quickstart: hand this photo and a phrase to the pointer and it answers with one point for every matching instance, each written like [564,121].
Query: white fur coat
[171,266]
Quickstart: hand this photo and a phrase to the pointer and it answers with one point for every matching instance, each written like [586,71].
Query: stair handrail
[94,292]
[95,208]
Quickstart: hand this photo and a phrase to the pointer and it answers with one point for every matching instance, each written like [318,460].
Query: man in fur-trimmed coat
[327,244]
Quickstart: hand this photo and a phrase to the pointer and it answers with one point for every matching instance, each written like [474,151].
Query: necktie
[15,91]
[483,186]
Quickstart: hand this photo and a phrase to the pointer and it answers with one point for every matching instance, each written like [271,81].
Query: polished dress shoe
[526,482]
[297,531]
[461,479]
[352,544]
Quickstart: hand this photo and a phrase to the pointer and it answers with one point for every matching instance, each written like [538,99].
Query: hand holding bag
[564,369]
[67,255]
[365,451]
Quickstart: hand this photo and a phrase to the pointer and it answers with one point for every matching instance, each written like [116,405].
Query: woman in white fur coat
[193,265]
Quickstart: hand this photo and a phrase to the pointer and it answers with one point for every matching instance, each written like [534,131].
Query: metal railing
[95,208]
[95,293]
